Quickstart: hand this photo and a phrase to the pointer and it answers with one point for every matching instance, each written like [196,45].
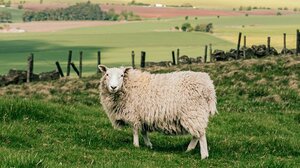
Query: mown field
[157,37]
[204,4]
[62,124]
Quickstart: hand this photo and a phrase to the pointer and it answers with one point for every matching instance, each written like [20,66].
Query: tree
[186,27]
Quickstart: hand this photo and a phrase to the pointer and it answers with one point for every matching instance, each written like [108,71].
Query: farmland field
[61,123]
[204,4]
[157,37]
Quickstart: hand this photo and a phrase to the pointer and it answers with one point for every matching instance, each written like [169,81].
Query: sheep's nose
[113,87]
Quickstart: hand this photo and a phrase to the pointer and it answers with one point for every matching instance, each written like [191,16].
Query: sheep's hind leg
[203,147]
[192,144]
[146,139]
[136,137]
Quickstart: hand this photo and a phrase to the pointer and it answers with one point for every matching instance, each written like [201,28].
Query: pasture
[157,37]
[61,123]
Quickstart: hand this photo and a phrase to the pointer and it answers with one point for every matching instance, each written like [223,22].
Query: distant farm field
[157,37]
[203,4]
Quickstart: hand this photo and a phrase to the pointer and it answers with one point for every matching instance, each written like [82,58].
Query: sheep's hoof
[136,145]
[149,145]
[204,157]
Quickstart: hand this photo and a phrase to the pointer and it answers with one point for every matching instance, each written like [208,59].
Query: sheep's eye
[122,76]
[106,74]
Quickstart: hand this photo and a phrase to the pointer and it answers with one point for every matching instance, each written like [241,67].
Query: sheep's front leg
[146,139]
[136,137]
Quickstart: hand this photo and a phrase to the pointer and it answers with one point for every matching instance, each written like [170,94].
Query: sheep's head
[114,77]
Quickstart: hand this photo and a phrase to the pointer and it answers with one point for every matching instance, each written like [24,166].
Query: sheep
[174,103]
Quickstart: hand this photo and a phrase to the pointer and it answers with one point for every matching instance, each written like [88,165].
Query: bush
[278,13]
[249,8]
[204,27]
[186,18]
[241,8]
[246,14]
[233,9]
[295,9]
[285,8]
[176,27]
[280,8]
[186,27]
[5,17]
[187,5]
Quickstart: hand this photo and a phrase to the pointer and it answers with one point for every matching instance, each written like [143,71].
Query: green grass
[16,14]
[62,124]
[153,36]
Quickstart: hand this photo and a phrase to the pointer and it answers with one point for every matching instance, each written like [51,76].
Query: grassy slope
[204,4]
[60,123]
[153,36]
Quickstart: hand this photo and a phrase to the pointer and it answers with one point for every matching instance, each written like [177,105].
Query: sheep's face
[114,77]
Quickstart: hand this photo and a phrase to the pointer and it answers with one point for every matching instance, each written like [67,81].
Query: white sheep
[172,103]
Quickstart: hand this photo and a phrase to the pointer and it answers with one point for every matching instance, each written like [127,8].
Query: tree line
[80,11]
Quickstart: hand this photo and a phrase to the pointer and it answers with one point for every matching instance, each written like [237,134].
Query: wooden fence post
[132,59]
[143,58]
[245,41]
[59,69]
[75,69]
[30,68]
[205,54]
[284,43]
[80,64]
[210,53]
[98,60]
[178,54]
[69,63]
[269,45]
[173,57]
[298,42]
[238,46]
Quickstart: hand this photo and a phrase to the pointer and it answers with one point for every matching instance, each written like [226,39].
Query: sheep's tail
[212,102]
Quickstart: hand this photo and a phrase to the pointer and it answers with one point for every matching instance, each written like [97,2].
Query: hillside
[62,124]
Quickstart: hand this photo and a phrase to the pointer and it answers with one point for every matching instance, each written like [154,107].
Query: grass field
[61,124]
[204,4]
[16,13]
[153,36]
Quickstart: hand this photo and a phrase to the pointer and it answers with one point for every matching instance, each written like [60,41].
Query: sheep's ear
[102,68]
[126,69]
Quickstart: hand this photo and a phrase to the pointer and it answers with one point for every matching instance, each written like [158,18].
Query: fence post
[98,60]
[80,64]
[30,68]
[298,42]
[210,53]
[269,45]
[59,69]
[143,58]
[75,69]
[245,41]
[178,54]
[173,58]
[69,63]
[205,54]
[238,46]
[132,59]
[284,43]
